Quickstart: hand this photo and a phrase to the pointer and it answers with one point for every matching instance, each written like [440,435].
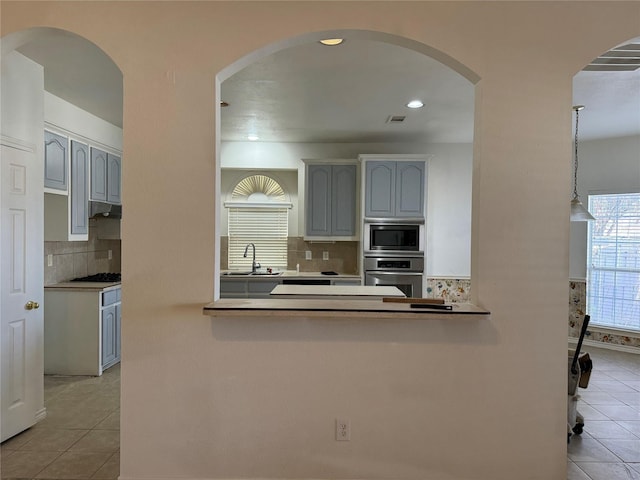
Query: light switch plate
[50,260]
[325,255]
[307,255]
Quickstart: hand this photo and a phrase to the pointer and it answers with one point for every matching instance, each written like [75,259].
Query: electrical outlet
[343,430]
[50,260]
[307,255]
[110,253]
[325,255]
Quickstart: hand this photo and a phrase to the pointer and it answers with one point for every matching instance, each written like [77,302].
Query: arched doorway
[609,138]
[305,100]
[56,82]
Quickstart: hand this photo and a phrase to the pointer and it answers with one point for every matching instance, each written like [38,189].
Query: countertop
[83,286]
[290,274]
[306,308]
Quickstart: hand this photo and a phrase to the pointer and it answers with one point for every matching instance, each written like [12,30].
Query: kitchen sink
[267,274]
[236,273]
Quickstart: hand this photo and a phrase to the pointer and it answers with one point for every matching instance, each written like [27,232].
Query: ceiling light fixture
[331,42]
[578,212]
[252,137]
[415,104]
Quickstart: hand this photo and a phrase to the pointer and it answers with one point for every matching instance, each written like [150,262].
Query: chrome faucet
[254,265]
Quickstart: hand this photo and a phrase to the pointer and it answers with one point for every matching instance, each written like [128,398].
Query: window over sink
[258,214]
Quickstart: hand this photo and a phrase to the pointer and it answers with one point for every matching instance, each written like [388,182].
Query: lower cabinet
[81,330]
[245,288]
[110,319]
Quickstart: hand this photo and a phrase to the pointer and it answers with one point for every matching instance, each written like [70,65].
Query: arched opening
[62,128]
[309,103]
[605,253]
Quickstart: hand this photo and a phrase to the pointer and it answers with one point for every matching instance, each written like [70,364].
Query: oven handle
[395,272]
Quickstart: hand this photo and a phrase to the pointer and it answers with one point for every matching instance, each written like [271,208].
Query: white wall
[605,166]
[229,398]
[67,117]
[448,188]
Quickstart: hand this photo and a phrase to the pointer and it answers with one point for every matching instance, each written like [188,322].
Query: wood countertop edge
[334,309]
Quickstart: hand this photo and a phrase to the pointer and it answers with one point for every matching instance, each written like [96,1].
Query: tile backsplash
[343,256]
[79,259]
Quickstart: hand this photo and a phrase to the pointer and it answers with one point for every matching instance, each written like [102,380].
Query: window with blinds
[266,228]
[258,214]
[613,264]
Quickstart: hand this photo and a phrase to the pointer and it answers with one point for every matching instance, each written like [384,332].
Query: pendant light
[578,212]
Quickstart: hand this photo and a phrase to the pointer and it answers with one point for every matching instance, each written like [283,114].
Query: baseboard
[609,346]
[41,414]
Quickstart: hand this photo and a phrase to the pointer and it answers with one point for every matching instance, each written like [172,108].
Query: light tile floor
[80,437]
[609,447]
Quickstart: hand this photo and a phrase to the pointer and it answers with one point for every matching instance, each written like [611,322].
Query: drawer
[110,297]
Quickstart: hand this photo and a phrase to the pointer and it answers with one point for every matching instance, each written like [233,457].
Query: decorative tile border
[453,290]
[577,309]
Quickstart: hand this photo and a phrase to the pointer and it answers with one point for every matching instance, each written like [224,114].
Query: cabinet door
[109,330]
[55,161]
[410,189]
[79,190]
[380,189]
[318,219]
[114,179]
[343,200]
[98,175]
[118,330]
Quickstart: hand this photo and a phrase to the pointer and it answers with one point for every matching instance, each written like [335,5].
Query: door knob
[31,305]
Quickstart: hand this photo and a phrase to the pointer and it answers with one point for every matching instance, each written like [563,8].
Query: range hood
[101,209]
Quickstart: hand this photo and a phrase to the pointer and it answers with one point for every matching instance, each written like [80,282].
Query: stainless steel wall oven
[404,273]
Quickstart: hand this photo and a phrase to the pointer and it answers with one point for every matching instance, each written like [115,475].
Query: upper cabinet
[79,195]
[55,162]
[331,200]
[106,176]
[66,217]
[394,188]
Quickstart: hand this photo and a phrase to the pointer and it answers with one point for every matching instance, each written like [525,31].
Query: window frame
[594,283]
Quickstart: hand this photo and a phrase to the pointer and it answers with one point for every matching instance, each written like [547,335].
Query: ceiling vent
[396,118]
[620,59]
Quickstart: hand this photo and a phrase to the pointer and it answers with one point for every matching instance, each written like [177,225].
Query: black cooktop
[99,277]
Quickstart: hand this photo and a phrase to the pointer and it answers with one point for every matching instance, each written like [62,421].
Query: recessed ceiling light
[253,137]
[415,104]
[332,42]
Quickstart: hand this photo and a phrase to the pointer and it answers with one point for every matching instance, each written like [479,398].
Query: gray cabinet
[247,288]
[66,215]
[114,179]
[106,176]
[394,189]
[55,161]
[331,200]
[110,319]
[79,195]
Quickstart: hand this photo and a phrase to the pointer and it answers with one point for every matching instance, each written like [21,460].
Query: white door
[21,247]
[22,273]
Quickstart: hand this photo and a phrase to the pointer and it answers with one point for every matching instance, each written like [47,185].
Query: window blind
[613,269]
[266,228]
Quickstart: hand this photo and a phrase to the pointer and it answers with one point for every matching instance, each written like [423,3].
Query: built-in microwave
[393,237]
